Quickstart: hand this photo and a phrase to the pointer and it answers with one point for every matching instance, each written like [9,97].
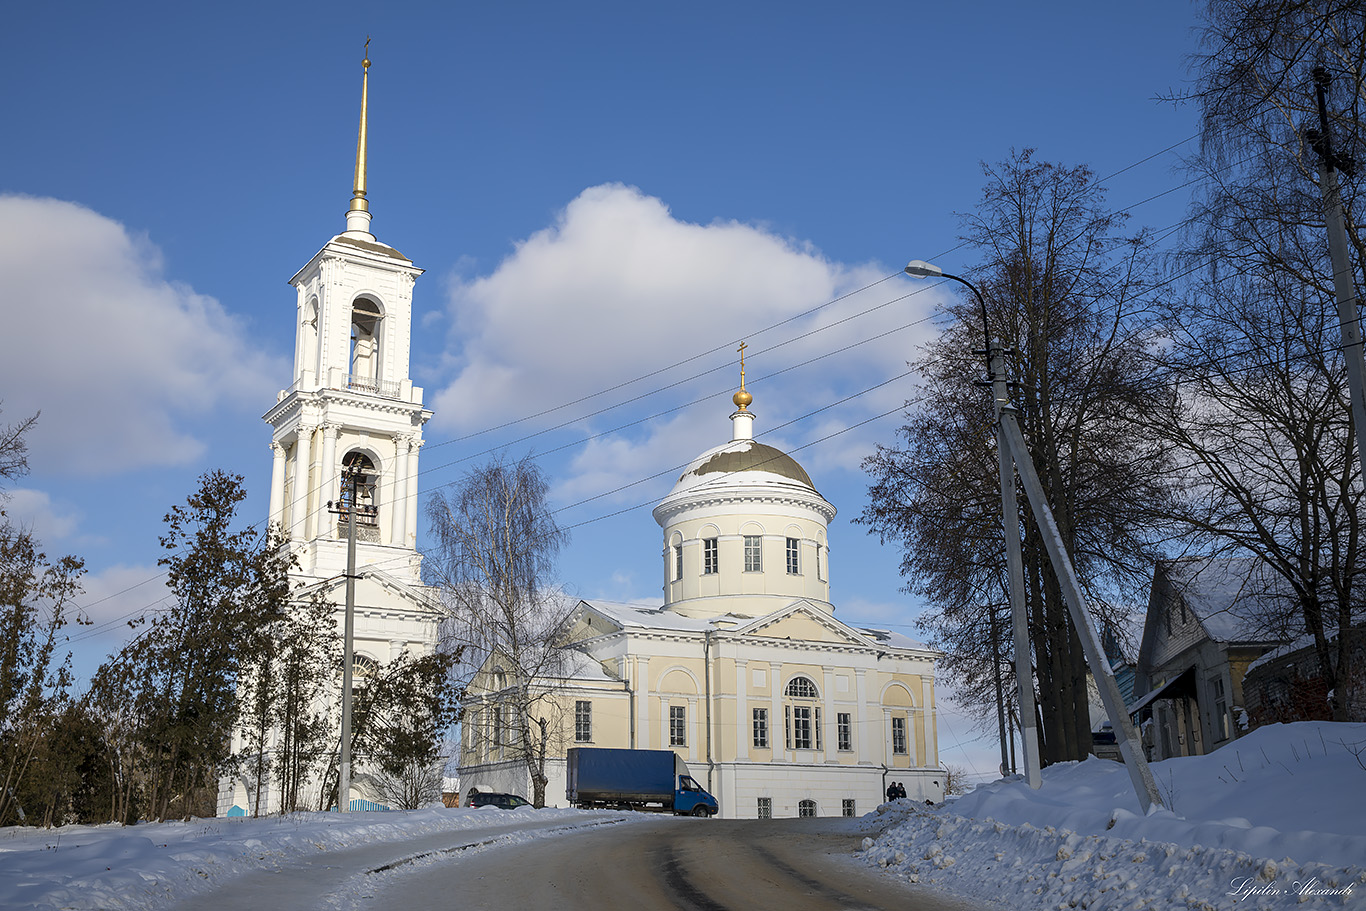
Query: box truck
[634,779]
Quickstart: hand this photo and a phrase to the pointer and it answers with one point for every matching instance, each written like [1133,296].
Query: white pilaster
[398,527]
[277,486]
[328,480]
[863,720]
[777,727]
[643,703]
[745,735]
[829,736]
[303,460]
[411,492]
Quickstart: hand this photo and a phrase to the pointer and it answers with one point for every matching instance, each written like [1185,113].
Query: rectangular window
[794,566]
[754,554]
[801,727]
[845,730]
[765,807]
[761,728]
[678,562]
[678,725]
[787,726]
[1220,719]
[583,721]
[709,556]
[899,736]
[818,729]
[820,576]
[848,806]
[497,726]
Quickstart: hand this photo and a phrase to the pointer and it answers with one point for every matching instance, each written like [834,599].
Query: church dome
[743,463]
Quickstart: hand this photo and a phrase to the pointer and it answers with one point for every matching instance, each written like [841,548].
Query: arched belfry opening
[366,320]
[358,486]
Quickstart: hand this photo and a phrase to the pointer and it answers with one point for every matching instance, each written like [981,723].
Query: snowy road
[662,863]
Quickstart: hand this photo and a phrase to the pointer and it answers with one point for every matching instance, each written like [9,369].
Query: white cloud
[617,288]
[34,511]
[114,355]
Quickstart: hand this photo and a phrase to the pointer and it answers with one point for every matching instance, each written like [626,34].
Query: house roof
[1230,596]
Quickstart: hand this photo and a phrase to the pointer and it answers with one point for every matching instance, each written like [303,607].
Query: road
[658,863]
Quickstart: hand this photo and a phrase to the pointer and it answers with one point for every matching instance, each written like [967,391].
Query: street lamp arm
[918,268]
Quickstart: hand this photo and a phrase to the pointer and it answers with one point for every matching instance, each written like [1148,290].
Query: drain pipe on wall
[706,675]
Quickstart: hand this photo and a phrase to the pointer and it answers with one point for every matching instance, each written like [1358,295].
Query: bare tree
[497,541]
[1064,292]
[1259,419]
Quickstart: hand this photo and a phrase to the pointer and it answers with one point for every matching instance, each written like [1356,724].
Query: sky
[606,198]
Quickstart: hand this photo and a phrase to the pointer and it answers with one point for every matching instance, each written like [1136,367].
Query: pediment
[803,622]
[586,622]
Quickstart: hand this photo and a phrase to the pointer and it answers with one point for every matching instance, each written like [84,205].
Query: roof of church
[650,616]
[369,247]
[745,462]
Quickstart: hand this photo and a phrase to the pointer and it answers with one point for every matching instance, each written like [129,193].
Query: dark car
[492,799]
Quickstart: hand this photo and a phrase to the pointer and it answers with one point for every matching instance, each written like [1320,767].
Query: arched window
[801,715]
[358,489]
[364,361]
[806,808]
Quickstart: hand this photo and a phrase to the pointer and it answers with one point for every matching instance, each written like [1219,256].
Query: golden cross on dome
[742,398]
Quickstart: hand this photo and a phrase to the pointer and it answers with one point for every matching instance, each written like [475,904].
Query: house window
[794,566]
[761,728]
[583,721]
[845,729]
[799,728]
[678,725]
[899,736]
[678,562]
[765,807]
[497,726]
[847,807]
[820,576]
[709,556]
[801,720]
[1220,717]
[754,554]
[806,808]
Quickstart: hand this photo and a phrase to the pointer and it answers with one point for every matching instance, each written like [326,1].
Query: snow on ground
[1276,819]
[153,865]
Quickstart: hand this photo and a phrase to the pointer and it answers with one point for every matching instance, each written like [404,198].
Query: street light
[1010,519]
[918,268]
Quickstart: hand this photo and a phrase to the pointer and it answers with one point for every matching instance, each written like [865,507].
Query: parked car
[494,799]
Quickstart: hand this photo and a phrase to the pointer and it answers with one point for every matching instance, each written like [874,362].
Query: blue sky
[597,191]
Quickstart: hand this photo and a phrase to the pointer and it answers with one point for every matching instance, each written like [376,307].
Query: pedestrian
[891,792]
[900,789]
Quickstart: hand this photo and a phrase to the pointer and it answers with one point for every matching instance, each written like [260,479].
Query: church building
[352,413]
[778,707]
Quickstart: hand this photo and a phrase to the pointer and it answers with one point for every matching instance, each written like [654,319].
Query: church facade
[352,412]
[778,707]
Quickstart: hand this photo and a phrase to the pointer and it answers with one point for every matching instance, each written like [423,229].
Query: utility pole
[1000,696]
[348,506]
[1010,521]
[1014,455]
[1344,288]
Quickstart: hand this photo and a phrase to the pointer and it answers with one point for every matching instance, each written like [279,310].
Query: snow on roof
[889,638]
[1231,596]
[650,616]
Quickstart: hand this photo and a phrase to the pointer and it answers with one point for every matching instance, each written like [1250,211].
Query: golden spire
[742,398]
[358,201]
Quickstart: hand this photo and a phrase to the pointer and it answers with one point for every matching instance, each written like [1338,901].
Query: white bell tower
[352,401]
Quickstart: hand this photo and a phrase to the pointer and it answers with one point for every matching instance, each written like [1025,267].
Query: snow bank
[115,867]
[1273,820]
